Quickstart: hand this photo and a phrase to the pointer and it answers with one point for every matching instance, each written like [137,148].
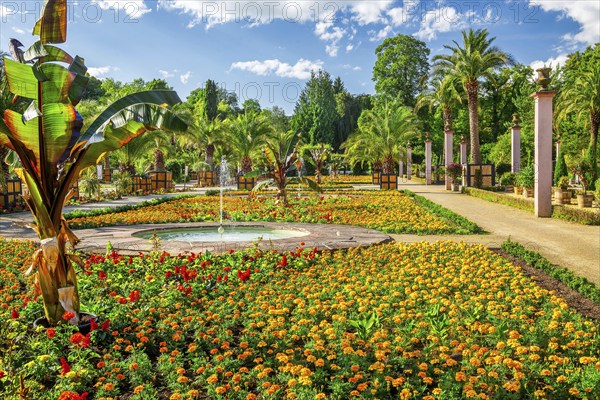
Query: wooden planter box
[562,196]
[388,181]
[207,178]
[14,189]
[376,178]
[245,183]
[161,180]
[584,200]
[106,175]
[509,188]
[518,190]
[193,176]
[141,184]
[528,193]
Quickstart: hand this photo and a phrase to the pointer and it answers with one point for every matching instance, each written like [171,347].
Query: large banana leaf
[52,25]
[129,124]
[47,53]
[157,97]
[21,79]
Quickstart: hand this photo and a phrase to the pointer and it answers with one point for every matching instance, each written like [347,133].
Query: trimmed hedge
[494,197]
[577,215]
[119,209]
[575,282]
[465,226]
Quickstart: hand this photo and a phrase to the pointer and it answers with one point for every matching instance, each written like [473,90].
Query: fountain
[223,174]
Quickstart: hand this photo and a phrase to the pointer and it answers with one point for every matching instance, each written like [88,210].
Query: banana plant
[53,150]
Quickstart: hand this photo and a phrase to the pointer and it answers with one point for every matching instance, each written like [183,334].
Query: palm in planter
[53,151]
[454,170]
[281,156]
[527,180]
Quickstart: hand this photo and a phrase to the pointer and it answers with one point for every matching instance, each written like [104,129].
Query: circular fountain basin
[233,233]
[133,239]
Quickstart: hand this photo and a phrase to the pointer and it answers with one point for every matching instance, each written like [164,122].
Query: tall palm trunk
[210,152]
[127,167]
[4,172]
[447,115]
[246,164]
[159,160]
[388,165]
[377,166]
[472,88]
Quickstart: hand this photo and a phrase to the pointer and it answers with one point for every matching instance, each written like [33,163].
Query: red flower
[134,295]
[66,395]
[122,300]
[14,314]
[102,275]
[283,262]
[77,338]
[67,315]
[65,366]
[244,276]
[105,325]
[50,332]
[2,373]
[86,341]
[93,325]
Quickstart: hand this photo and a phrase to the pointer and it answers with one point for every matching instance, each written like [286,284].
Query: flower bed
[391,212]
[446,320]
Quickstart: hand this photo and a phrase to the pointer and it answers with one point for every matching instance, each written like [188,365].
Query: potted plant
[53,148]
[561,192]
[583,170]
[454,171]
[508,180]
[527,180]
[518,188]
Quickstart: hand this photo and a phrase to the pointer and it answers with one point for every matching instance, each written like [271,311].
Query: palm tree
[475,59]
[247,134]
[381,134]
[443,94]
[205,136]
[582,99]
[130,155]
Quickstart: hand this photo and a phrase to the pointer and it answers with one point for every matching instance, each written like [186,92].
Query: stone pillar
[543,146]
[408,161]
[463,150]
[428,161]
[448,135]
[515,145]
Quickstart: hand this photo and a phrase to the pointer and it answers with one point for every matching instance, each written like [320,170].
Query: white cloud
[369,12]
[184,78]
[300,70]
[381,34]
[17,30]
[166,74]
[584,12]
[131,8]
[551,62]
[98,72]
[444,19]
[357,68]
[349,47]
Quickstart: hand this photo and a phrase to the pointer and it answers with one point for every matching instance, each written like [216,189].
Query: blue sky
[266,49]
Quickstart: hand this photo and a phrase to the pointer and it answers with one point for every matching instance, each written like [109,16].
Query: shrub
[561,168]
[508,179]
[563,182]
[527,177]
